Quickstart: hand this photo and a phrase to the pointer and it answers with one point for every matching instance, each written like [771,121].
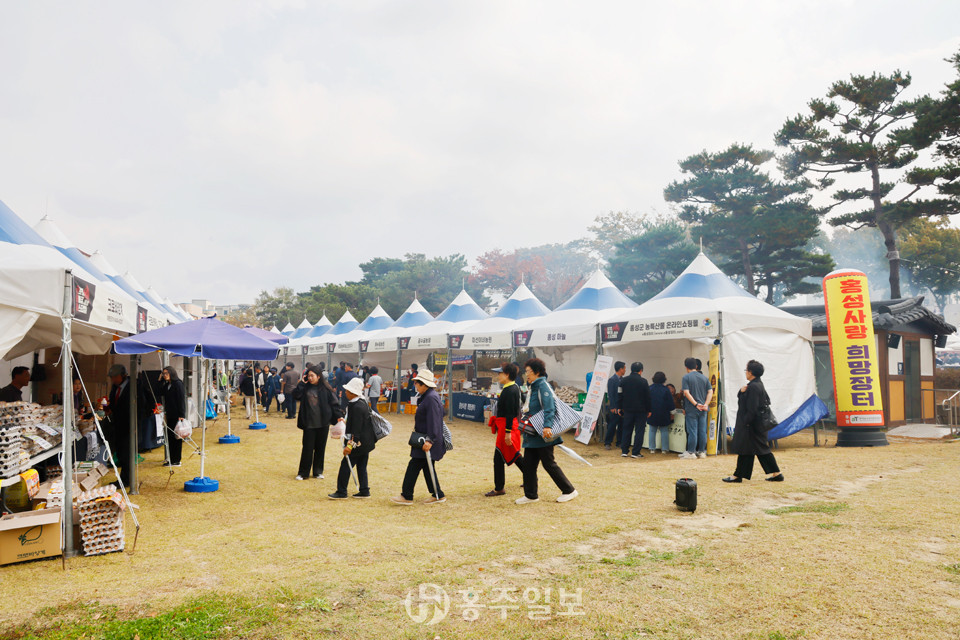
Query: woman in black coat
[319,408]
[361,440]
[749,438]
[174,408]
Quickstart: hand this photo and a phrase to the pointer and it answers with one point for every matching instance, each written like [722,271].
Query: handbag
[564,419]
[417,439]
[766,418]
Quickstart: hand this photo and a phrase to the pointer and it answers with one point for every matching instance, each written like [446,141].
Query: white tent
[172,318]
[302,330]
[387,345]
[496,332]
[566,339]
[447,329]
[311,344]
[703,307]
[350,342]
[156,318]
[288,330]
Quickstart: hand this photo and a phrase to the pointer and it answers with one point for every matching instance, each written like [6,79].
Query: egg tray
[97,549]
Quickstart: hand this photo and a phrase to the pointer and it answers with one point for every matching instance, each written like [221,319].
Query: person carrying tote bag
[750,433]
[428,422]
[538,448]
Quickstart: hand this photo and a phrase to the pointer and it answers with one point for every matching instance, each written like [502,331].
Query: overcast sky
[218,148]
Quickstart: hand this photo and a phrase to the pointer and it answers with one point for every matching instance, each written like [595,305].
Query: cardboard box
[29,536]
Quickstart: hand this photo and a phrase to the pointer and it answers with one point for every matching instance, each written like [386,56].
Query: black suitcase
[686,494]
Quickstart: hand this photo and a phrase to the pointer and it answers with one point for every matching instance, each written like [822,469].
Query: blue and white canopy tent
[312,344]
[385,347]
[155,317]
[703,307]
[288,330]
[567,339]
[207,339]
[345,325]
[356,342]
[496,332]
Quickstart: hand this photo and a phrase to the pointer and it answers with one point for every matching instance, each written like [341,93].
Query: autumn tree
[758,225]
[861,131]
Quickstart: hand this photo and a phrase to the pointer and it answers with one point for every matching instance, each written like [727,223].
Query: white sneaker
[701,454]
[299,478]
[567,497]
[686,455]
[525,500]
[318,477]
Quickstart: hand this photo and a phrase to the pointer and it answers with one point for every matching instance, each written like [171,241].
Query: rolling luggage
[686,499]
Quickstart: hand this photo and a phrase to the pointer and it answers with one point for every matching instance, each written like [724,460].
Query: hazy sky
[218,148]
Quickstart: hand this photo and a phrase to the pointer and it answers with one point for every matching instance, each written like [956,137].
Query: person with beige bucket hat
[428,422]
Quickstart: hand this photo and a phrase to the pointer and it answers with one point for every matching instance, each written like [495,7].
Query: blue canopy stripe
[696,285]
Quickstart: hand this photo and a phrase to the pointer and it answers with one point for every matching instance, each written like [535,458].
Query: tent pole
[67,371]
[396,373]
[134,426]
[721,387]
[449,380]
[203,419]
[165,362]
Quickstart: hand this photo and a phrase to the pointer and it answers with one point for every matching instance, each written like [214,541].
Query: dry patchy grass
[857,543]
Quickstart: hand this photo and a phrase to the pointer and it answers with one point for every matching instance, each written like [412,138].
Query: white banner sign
[594,401]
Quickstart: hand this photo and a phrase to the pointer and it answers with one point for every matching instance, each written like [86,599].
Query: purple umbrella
[279,338]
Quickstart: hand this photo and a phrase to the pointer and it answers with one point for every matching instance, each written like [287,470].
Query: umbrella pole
[202,484]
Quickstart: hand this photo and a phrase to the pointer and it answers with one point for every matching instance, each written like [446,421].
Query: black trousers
[415,467]
[745,465]
[499,469]
[359,462]
[532,458]
[314,446]
[176,448]
[613,429]
[633,423]
[291,406]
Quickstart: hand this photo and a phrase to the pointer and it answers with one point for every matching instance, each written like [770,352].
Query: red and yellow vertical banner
[856,371]
[713,415]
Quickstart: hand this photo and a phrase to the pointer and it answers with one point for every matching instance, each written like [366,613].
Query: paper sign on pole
[856,372]
[713,415]
[594,401]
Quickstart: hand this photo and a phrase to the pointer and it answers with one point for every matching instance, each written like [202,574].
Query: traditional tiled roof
[888,315]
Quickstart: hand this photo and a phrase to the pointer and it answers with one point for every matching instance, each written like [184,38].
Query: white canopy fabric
[156,318]
[451,324]
[302,329]
[311,343]
[574,323]
[386,339]
[288,330]
[349,342]
[496,332]
[701,306]
[172,318]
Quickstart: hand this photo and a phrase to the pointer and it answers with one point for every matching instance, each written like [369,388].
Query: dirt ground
[856,543]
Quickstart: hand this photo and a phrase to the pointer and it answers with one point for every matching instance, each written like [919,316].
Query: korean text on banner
[853,349]
[713,415]
[594,401]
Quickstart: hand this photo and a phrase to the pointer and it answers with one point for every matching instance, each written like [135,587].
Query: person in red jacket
[505,424]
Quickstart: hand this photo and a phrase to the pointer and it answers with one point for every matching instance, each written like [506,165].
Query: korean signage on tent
[685,326]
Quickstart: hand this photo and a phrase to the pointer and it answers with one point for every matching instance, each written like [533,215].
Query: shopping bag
[183,429]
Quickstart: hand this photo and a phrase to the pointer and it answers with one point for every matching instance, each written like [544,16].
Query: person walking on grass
[428,421]
[360,441]
[537,449]
[697,394]
[319,408]
[507,428]
[749,437]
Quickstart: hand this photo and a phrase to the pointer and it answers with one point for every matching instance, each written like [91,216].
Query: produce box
[29,536]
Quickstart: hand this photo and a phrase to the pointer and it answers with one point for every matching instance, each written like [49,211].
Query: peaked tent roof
[496,332]
[323,325]
[704,292]
[345,324]
[155,300]
[460,314]
[274,329]
[302,330]
[574,322]
[377,321]
[288,330]
[156,317]
[415,316]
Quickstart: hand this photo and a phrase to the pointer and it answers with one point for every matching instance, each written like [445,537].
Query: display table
[678,434]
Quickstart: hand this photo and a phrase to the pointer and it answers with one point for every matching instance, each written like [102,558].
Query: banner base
[861,437]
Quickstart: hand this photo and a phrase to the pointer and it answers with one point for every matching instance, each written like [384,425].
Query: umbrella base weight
[201,485]
[229,439]
[257,425]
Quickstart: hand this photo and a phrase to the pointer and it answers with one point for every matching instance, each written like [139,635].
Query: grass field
[857,543]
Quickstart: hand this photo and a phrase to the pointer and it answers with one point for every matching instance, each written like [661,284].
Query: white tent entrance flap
[702,307]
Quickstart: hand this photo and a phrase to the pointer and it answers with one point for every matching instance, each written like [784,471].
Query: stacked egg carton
[42,428]
[101,520]
[10,432]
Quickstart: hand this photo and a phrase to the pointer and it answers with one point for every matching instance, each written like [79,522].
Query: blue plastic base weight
[229,439]
[257,425]
[201,485]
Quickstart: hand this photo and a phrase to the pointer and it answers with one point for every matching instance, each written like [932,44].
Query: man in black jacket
[613,404]
[634,406]
[118,409]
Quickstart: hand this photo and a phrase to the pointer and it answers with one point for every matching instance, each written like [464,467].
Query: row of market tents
[701,309]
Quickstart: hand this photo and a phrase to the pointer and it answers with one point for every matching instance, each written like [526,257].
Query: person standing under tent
[374,387]
[361,440]
[174,409]
[613,405]
[661,413]
[428,421]
[118,410]
[506,425]
[248,390]
[289,380]
[697,394]
[749,436]
[20,377]
[273,390]
[346,375]
[635,409]
[537,449]
[412,375]
[319,409]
